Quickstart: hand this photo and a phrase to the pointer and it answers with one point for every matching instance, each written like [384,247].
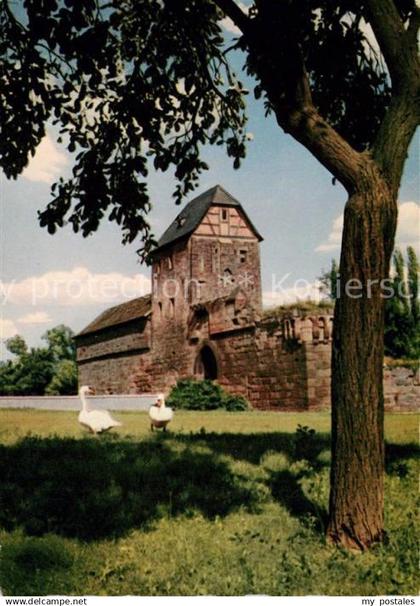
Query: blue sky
[286,192]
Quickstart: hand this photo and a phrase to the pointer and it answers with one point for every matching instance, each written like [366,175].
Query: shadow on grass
[93,489]
[395,455]
[102,488]
[251,447]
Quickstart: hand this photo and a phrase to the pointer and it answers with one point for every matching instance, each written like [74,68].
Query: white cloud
[408,229]
[75,287]
[38,317]
[7,329]
[228,25]
[301,291]
[47,164]
[334,238]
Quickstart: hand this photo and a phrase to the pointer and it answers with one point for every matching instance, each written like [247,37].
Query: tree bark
[356,494]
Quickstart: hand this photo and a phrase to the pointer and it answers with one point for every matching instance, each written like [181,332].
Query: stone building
[204,318]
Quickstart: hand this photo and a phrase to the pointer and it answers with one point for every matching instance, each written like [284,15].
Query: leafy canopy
[135,83]
[402,305]
[41,370]
[402,328]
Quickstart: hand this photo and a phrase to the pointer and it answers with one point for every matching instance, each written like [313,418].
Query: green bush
[307,445]
[192,394]
[235,402]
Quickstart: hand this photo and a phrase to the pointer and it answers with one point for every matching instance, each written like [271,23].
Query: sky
[64,279]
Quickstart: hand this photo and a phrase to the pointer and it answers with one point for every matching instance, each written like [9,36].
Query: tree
[413,283]
[31,371]
[64,382]
[60,342]
[16,345]
[330,281]
[135,81]
[401,330]
[41,370]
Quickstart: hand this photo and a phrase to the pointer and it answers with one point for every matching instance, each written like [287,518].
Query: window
[215,260]
[170,262]
[160,310]
[224,215]
[243,256]
[201,264]
[157,268]
[171,308]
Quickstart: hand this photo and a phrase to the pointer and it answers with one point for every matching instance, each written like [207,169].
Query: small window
[157,268]
[160,310]
[201,264]
[224,215]
[171,308]
[215,260]
[243,256]
[228,278]
[170,262]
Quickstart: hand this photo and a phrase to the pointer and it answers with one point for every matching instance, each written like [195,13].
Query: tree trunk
[356,494]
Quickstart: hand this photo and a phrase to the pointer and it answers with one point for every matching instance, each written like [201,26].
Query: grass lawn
[223,504]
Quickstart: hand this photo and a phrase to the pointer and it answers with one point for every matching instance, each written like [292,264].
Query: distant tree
[413,283]
[64,381]
[60,342]
[40,370]
[402,330]
[16,345]
[30,373]
[330,281]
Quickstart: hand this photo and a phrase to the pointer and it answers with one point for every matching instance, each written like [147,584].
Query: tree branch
[311,130]
[392,38]
[234,12]
[413,26]
[291,99]
[396,131]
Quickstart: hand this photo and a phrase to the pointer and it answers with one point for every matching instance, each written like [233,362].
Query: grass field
[223,504]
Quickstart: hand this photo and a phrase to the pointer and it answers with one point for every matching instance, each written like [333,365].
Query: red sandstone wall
[318,374]
[120,339]
[210,258]
[401,389]
[255,364]
[119,375]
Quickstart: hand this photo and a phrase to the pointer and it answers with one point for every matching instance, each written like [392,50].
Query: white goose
[97,421]
[160,414]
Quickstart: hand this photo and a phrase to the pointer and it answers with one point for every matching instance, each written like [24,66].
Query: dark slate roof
[192,214]
[120,314]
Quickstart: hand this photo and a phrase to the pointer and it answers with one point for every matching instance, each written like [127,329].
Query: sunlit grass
[221,505]
[15,424]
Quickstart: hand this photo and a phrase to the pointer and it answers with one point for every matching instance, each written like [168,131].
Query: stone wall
[116,375]
[111,360]
[401,389]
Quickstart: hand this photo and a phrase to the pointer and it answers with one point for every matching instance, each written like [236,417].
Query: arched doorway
[206,364]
